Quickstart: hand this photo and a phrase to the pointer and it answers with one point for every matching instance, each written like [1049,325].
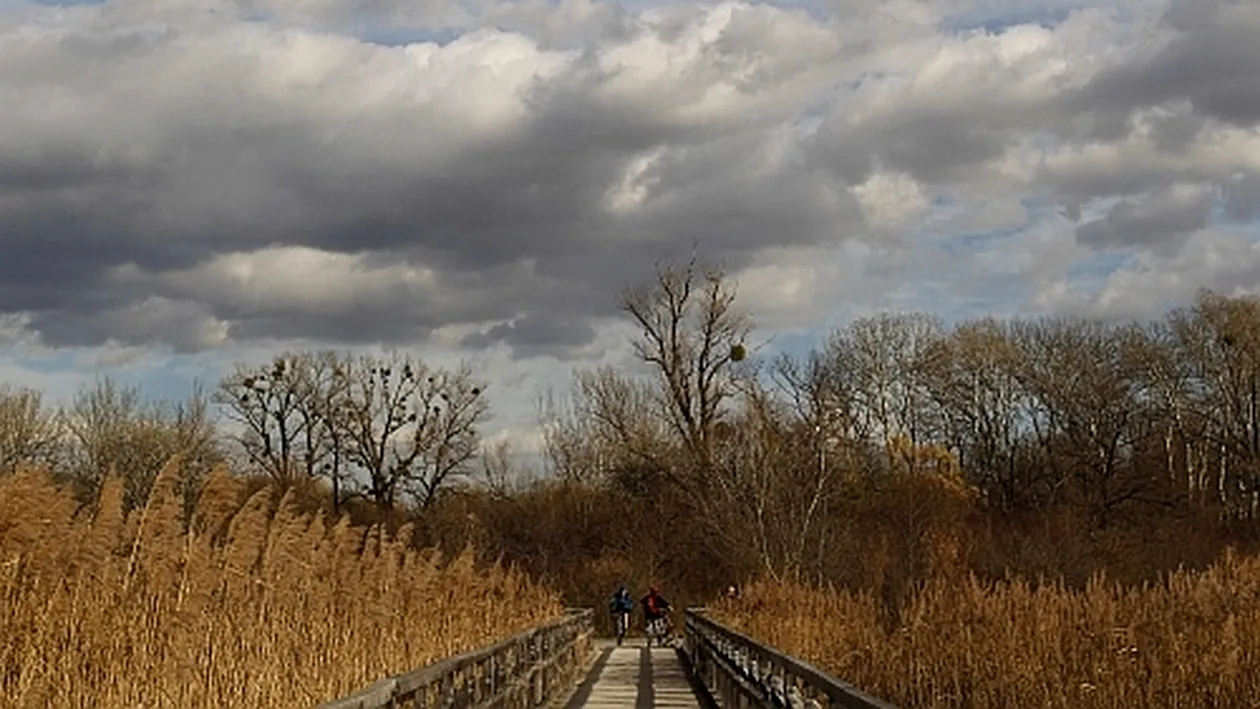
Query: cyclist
[655,608]
[621,606]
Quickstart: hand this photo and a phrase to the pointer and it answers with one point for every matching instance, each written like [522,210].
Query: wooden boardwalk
[634,677]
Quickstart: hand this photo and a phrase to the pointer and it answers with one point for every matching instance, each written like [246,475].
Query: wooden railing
[738,672]
[526,670]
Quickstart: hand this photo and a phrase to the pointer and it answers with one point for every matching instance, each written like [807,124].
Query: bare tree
[775,485]
[1219,342]
[748,471]
[113,428]
[408,429]
[1082,375]
[30,434]
[567,438]
[500,473]
[691,333]
[272,406]
[885,357]
[822,391]
[984,409]
[324,381]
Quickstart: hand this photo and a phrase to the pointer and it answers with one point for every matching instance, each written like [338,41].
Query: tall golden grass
[1191,641]
[252,604]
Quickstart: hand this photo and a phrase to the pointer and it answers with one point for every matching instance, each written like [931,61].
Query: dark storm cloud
[236,163]
[183,326]
[1211,61]
[535,334]
[210,178]
[1152,221]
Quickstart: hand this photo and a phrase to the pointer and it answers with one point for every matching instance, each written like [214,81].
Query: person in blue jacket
[621,606]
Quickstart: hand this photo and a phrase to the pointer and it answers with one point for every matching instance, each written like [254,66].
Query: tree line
[383,430]
[897,448]
[901,447]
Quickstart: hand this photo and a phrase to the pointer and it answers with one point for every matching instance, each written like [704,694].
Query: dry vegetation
[911,466]
[1188,641]
[248,604]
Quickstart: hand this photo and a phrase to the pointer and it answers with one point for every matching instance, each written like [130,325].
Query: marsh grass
[1192,640]
[251,604]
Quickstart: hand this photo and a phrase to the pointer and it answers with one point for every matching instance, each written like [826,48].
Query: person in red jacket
[655,623]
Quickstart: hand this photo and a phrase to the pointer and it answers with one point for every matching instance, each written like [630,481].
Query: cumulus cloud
[480,177]
[1226,260]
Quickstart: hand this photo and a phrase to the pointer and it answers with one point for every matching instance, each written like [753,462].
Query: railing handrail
[454,664]
[382,692]
[839,692]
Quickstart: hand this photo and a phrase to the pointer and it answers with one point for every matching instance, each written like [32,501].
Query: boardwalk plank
[634,676]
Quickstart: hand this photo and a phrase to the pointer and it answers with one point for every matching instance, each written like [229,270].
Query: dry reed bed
[1191,641]
[253,605]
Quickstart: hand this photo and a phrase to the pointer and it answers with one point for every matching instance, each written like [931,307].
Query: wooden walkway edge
[635,676]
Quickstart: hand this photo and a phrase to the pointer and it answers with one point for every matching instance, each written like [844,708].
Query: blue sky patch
[58,361]
[401,37]
[1100,266]
[996,20]
[971,242]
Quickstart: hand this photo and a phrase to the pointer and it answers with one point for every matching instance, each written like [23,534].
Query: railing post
[522,671]
[741,672]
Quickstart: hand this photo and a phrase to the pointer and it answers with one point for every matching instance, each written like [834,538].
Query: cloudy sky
[188,184]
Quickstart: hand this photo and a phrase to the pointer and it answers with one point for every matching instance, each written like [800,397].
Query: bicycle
[658,629]
[621,625]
